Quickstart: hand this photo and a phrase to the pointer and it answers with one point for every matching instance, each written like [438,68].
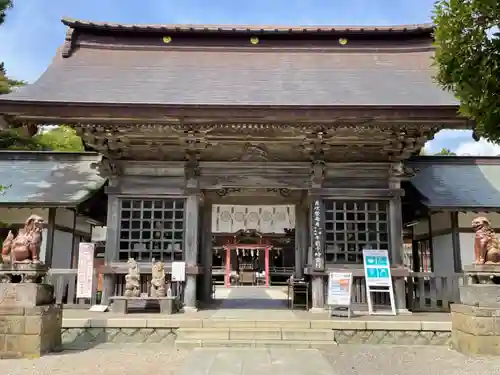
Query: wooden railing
[64,282]
[426,291]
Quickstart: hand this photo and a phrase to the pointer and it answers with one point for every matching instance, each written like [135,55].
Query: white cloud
[480,148]
[461,142]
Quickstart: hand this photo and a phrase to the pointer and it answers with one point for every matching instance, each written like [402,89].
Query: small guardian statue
[132,279]
[158,280]
[25,247]
[486,243]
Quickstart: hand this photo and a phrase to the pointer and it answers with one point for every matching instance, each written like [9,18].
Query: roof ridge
[77,23]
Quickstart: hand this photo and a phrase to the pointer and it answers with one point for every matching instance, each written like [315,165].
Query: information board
[179,271]
[339,290]
[85,273]
[378,277]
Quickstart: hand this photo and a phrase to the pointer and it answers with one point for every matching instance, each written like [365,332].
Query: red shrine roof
[204,65]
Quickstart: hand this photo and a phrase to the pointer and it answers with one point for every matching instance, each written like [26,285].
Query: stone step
[251,334]
[191,344]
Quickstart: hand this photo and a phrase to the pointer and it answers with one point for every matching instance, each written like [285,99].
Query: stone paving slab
[147,359]
[222,361]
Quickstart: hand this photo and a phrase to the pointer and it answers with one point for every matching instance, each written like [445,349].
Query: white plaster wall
[465,219]
[421,228]
[443,255]
[63,245]
[65,218]
[467,248]
[440,221]
[43,246]
[19,215]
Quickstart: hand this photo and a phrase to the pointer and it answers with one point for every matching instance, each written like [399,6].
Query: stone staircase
[241,333]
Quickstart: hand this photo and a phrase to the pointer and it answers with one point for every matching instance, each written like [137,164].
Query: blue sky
[32,32]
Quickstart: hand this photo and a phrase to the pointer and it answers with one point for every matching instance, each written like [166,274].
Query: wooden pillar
[431,242]
[206,252]
[191,249]
[266,265]
[49,244]
[318,254]
[396,250]
[111,249]
[396,231]
[455,240]
[228,267]
[301,241]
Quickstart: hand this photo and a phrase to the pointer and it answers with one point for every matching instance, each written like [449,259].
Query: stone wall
[83,338]
[476,330]
[30,322]
[30,331]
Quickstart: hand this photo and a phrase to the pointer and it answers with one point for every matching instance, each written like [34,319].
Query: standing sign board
[179,271]
[85,276]
[378,277]
[339,291]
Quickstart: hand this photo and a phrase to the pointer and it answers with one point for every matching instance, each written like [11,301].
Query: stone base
[26,294]
[480,295]
[29,332]
[30,324]
[475,330]
[168,305]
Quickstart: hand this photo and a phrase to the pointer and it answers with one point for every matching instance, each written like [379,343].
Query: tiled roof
[219,77]
[48,178]
[458,182]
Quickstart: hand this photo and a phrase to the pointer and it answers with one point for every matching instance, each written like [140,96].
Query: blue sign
[377,267]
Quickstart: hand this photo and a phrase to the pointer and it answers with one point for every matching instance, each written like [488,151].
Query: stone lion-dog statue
[486,243]
[25,247]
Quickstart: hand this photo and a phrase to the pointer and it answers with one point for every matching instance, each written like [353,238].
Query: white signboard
[179,271]
[85,275]
[339,289]
[378,277]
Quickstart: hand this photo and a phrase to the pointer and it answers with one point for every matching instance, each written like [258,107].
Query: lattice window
[151,228]
[351,226]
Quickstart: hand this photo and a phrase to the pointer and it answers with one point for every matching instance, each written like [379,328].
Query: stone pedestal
[30,322]
[476,321]
[475,330]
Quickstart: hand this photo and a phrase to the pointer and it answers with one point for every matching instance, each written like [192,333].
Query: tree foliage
[7,84]
[4,5]
[445,152]
[468,59]
[61,138]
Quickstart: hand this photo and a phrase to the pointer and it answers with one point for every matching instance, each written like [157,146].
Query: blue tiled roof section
[457,184]
[48,178]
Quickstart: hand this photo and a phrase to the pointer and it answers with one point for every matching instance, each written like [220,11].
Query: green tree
[61,138]
[468,59]
[4,5]
[445,152]
[7,84]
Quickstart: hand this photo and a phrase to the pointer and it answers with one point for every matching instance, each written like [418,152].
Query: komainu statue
[486,244]
[132,279]
[158,280]
[25,247]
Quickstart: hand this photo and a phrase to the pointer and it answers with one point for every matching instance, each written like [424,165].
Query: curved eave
[62,112]
[425,28]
